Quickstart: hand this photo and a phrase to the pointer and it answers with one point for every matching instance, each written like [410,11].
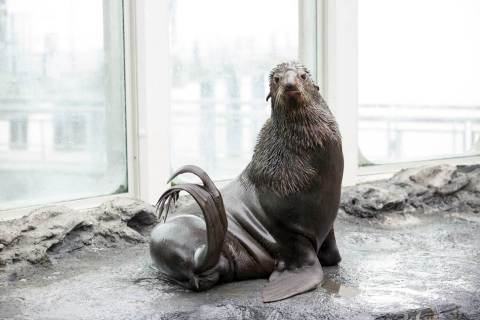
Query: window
[220,65]
[18,132]
[62,100]
[70,132]
[419,80]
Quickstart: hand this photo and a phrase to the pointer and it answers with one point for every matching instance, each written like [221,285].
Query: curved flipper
[210,201]
[287,283]
[208,185]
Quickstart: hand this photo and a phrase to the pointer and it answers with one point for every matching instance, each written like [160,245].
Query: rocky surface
[417,257]
[437,189]
[422,267]
[54,231]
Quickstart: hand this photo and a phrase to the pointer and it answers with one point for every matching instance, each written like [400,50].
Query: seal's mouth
[292,93]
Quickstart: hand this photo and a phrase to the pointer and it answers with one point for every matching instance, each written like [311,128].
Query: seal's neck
[305,127]
[292,149]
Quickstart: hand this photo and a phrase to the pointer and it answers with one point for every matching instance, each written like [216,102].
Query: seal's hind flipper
[287,283]
[210,201]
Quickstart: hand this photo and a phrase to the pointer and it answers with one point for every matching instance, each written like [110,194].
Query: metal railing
[458,126]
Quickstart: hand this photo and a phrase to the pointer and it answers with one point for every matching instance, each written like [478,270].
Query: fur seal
[276,219]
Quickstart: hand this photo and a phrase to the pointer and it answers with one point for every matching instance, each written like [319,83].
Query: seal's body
[275,219]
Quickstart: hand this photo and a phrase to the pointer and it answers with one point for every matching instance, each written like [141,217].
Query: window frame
[380,171]
[147,86]
[154,87]
[337,22]
[337,76]
[328,44]
[131,128]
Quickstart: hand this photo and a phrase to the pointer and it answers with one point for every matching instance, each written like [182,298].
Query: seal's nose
[290,86]
[290,81]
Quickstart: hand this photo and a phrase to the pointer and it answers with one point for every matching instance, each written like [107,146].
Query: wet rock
[395,272]
[473,172]
[442,188]
[447,312]
[57,230]
[230,311]
[368,200]
[444,179]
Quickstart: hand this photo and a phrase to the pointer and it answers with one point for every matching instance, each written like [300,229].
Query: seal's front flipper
[328,253]
[287,283]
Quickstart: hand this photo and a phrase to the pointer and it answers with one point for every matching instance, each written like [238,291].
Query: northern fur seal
[276,219]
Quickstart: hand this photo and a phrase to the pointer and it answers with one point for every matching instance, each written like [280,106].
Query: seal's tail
[210,201]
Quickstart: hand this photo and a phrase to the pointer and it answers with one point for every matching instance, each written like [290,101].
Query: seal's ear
[316,87]
[269,96]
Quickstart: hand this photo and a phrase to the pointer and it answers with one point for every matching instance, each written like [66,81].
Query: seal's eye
[304,76]
[277,79]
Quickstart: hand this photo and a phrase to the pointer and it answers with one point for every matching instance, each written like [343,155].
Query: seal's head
[291,85]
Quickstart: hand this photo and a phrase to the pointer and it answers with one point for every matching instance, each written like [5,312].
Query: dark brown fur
[295,133]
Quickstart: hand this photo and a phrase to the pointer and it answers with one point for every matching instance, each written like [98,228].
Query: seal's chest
[290,173]
[287,161]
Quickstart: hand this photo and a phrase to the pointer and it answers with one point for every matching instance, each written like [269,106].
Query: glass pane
[419,79]
[62,105]
[222,52]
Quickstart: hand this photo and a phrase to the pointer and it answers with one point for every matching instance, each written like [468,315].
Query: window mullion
[153,96]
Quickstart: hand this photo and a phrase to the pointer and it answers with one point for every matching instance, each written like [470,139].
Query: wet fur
[297,131]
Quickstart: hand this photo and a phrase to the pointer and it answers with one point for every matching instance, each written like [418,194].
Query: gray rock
[425,269]
[368,200]
[442,188]
[57,230]
[444,179]
[473,172]
[229,311]
[446,312]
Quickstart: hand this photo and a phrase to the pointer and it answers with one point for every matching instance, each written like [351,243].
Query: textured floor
[428,264]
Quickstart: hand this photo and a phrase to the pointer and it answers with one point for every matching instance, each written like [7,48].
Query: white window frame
[147,78]
[154,87]
[335,67]
[327,45]
[337,38]
[131,115]
[340,43]
[330,51]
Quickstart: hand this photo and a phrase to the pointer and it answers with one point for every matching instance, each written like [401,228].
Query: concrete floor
[428,264]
